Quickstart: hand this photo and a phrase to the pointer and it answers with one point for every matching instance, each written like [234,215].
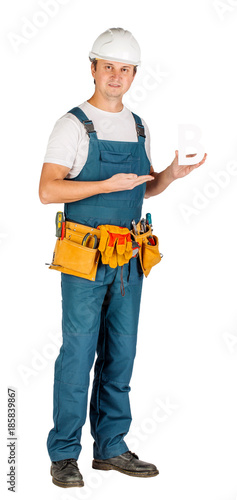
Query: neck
[112,105]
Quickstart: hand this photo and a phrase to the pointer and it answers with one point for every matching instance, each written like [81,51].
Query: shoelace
[68,460]
[131,454]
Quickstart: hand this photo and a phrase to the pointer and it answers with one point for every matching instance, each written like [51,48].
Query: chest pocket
[119,163]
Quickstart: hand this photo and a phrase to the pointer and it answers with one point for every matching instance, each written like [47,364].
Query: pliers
[86,239]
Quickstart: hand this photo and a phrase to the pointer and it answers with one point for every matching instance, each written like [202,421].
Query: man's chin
[117,94]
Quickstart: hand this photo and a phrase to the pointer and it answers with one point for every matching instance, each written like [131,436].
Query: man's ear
[93,70]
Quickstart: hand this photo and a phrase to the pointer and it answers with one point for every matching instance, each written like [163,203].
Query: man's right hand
[124,182]
[55,189]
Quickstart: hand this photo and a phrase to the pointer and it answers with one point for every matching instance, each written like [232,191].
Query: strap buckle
[140,130]
[89,126]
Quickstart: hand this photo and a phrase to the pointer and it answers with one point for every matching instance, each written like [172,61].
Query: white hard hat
[116,44]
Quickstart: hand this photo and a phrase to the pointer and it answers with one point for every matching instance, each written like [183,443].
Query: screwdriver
[148,219]
[59,223]
[151,240]
[134,226]
[144,225]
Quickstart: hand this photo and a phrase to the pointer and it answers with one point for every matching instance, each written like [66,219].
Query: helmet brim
[93,55]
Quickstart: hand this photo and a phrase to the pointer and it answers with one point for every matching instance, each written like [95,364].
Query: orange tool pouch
[72,257]
[149,254]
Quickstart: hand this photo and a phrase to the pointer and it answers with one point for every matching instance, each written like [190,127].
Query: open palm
[179,171]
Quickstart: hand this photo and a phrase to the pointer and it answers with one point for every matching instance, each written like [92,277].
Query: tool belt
[79,248]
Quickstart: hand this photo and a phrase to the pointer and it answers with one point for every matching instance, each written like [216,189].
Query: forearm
[161,181]
[66,191]
[59,190]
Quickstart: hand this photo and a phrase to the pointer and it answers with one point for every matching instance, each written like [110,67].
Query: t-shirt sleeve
[147,141]
[63,142]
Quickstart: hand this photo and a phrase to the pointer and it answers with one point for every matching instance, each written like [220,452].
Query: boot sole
[102,466]
[66,485]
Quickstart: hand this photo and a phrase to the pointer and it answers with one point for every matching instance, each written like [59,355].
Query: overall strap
[88,124]
[140,128]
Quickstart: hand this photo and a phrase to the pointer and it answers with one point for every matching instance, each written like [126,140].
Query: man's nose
[116,73]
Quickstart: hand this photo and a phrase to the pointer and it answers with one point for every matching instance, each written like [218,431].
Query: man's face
[112,79]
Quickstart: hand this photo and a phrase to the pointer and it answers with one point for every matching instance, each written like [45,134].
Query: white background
[184,381]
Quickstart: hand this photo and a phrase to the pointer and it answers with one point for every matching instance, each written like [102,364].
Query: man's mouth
[114,84]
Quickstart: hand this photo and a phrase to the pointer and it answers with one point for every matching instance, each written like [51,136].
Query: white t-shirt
[68,143]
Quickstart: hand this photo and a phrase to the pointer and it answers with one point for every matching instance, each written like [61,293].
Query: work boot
[127,463]
[66,473]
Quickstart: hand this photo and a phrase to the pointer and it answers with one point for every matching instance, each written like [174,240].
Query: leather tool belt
[77,252]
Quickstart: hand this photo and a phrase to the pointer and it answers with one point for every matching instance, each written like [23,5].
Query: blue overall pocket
[119,163]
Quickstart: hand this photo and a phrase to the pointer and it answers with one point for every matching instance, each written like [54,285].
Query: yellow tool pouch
[149,255]
[71,257]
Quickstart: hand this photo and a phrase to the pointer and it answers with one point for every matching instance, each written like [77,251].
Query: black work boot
[66,473]
[127,463]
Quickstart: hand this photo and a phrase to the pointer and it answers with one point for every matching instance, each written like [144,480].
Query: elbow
[43,196]
[147,195]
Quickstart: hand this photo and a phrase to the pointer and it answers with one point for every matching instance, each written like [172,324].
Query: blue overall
[96,317]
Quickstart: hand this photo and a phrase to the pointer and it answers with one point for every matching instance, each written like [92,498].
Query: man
[98,164]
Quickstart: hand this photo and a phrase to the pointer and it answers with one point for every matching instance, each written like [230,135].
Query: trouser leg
[81,302]
[110,412]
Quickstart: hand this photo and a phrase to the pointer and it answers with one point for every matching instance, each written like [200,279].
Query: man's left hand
[177,171]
